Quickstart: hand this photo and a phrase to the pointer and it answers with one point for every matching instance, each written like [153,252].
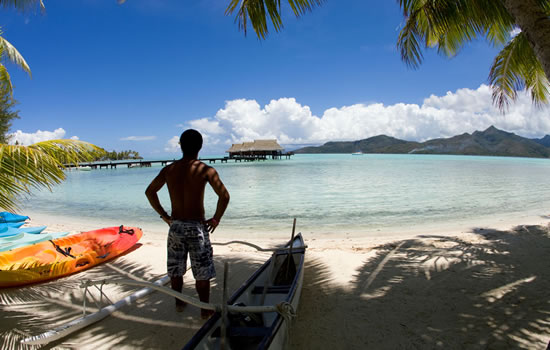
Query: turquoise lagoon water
[327,193]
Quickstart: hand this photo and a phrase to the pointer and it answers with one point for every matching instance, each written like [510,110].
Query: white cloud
[138,138]
[464,110]
[515,32]
[26,139]
[173,145]
[207,126]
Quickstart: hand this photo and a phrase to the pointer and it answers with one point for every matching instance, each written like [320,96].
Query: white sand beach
[473,288]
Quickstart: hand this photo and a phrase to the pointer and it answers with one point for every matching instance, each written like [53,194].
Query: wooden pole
[290,248]
[224,307]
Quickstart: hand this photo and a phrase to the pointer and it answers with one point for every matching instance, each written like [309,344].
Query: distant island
[490,142]
[122,155]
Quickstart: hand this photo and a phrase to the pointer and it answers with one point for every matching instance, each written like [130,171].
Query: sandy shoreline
[482,288]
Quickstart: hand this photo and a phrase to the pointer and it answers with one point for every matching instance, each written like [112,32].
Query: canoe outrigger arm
[285,309]
[257,247]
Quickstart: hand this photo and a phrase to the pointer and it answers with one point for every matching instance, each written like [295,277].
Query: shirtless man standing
[189,231]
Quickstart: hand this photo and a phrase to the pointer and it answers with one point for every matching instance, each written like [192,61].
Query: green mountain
[376,144]
[545,141]
[490,142]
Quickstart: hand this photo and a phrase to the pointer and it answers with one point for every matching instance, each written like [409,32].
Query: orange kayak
[64,256]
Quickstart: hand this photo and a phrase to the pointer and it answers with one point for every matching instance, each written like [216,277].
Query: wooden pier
[149,163]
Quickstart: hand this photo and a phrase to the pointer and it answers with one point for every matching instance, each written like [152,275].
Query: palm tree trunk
[534,22]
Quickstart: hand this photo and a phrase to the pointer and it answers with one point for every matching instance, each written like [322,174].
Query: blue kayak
[24,239]
[10,217]
[12,231]
[11,224]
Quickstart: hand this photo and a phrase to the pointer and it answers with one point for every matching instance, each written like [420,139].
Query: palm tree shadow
[35,309]
[436,292]
[430,292]
[23,308]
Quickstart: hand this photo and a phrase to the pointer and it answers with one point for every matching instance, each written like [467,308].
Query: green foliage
[516,67]
[10,53]
[447,25]
[23,5]
[256,11]
[40,165]
[7,114]
[37,166]
[114,155]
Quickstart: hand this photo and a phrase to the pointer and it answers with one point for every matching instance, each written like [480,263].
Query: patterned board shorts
[190,237]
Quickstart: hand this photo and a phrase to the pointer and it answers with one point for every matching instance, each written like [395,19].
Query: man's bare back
[186,180]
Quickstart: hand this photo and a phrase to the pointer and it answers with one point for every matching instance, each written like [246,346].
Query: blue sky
[134,76]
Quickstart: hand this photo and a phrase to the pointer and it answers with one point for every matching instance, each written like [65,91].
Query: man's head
[190,142]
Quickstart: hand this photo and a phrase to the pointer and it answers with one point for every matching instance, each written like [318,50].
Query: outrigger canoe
[279,280]
[64,256]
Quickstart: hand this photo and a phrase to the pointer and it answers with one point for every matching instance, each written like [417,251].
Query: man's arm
[151,193]
[223,198]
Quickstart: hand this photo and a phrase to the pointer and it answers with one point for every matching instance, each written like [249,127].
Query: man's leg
[177,260]
[203,289]
[177,285]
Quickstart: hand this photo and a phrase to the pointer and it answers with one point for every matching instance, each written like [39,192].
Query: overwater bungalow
[256,149]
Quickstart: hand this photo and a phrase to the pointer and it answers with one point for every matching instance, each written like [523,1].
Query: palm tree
[40,165]
[258,10]
[448,25]
[23,5]
[7,51]
[10,53]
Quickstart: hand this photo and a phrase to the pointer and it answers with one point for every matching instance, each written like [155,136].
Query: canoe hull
[265,331]
[64,256]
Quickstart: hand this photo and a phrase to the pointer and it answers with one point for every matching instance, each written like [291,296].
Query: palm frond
[23,168]
[5,79]
[257,11]
[40,165]
[9,51]
[447,25]
[538,85]
[23,5]
[408,44]
[69,151]
[514,68]
[545,5]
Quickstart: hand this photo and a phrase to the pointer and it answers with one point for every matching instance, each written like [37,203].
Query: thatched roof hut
[235,148]
[256,148]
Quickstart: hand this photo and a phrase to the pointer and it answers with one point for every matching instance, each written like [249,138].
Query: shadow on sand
[37,308]
[433,292]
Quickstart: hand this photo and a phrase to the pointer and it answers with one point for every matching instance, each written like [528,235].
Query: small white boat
[279,280]
[357,153]
[85,168]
